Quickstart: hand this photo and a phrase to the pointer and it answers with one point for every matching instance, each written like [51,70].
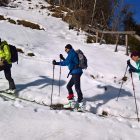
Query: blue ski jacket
[71,61]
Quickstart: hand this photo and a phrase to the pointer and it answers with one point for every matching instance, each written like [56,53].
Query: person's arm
[65,62]
[62,63]
[132,68]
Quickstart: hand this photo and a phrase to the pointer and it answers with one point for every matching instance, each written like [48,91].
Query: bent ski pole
[59,77]
[52,84]
[121,84]
[135,98]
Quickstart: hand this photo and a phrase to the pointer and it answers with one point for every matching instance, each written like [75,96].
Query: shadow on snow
[109,93]
[43,81]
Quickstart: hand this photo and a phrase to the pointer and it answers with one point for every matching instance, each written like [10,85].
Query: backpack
[14,53]
[82,59]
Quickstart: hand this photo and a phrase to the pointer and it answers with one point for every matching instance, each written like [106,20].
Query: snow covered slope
[33,78]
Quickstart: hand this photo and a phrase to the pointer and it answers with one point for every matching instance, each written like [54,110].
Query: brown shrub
[69,18]
[30,54]
[90,39]
[2,17]
[62,8]
[50,7]
[20,50]
[11,21]
[29,24]
[58,15]
[43,7]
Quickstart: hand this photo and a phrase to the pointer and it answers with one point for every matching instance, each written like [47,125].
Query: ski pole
[135,97]
[52,84]
[59,77]
[121,84]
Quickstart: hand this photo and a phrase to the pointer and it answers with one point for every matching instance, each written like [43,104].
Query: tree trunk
[126,43]
[117,40]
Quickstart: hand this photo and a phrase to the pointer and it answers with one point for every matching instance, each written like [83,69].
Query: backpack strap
[1,46]
[75,67]
[69,74]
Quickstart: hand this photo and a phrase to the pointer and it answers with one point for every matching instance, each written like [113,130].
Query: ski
[7,96]
[61,107]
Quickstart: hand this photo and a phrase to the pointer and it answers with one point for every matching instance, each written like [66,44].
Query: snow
[33,77]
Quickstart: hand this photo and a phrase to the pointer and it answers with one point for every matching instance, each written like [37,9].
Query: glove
[128,62]
[131,70]
[54,62]
[62,57]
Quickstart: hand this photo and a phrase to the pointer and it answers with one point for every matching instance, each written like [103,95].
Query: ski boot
[11,91]
[70,105]
[79,107]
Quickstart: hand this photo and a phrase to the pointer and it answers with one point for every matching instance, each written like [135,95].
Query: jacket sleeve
[65,62]
[7,53]
[133,69]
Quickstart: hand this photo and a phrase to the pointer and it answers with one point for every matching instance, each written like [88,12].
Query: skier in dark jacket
[6,64]
[72,62]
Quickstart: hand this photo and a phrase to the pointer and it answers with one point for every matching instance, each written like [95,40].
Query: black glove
[54,62]
[128,62]
[62,57]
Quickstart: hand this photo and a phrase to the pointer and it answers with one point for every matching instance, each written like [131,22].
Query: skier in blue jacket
[72,62]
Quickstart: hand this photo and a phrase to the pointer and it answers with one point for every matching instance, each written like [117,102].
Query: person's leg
[70,97]
[7,72]
[78,87]
[69,88]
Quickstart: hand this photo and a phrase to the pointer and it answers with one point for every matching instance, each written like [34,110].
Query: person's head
[0,40]
[135,56]
[68,47]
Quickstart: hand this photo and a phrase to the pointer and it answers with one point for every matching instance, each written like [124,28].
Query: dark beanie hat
[68,46]
[135,54]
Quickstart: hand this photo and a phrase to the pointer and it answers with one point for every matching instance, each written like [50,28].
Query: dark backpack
[82,59]
[14,53]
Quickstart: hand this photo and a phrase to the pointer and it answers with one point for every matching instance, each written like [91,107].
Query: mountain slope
[33,78]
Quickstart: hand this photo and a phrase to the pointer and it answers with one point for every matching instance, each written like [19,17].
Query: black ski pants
[7,73]
[75,80]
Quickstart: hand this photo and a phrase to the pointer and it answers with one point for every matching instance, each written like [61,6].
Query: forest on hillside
[112,15]
[104,14]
